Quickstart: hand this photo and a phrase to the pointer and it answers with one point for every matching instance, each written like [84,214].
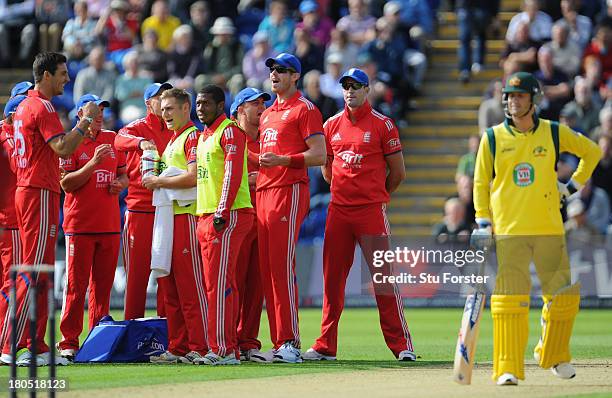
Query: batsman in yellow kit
[517,196]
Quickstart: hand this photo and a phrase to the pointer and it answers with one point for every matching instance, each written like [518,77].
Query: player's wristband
[78,130]
[297,161]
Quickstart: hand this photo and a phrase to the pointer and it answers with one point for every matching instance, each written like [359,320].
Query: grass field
[362,355]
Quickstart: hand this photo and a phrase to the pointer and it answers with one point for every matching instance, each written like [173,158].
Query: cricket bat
[468,334]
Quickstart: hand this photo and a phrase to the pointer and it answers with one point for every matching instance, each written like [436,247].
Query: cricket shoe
[5,359]
[43,359]
[407,355]
[313,355]
[564,370]
[190,357]
[165,357]
[213,359]
[254,355]
[68,353]
[287,353]
[507,379]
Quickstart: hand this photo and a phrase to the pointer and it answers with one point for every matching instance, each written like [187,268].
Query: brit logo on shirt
[351,159]
[103,178]
[366,137]
[270,136]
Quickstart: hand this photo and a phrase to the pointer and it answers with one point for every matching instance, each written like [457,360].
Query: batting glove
[566,190]
[482,237]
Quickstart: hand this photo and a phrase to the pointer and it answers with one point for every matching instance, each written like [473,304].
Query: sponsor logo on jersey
[185,251]
[336,137]
[393,143]
[231,149]
[84,157]
[350,159]
[507,149]
[103,178]
[52,230]
[539,151]
[285,114]
[523,174]
[270,136]
[367,136]
[284,219]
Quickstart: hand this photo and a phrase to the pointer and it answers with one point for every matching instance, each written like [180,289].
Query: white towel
[163,226]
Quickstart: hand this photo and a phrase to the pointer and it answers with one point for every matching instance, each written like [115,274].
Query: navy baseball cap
[356,74]
[21,88]
[307,6]
[91,98]
[286,60]
[247,95]
[155,88]
[12,104]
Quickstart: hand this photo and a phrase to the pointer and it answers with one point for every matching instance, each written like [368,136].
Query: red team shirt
[8,217]
[149,128]
[35,123]
[252,162]
[93,197]
[359,168]
[283,130]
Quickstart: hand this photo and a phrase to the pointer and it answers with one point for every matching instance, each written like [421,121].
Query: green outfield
[361,349]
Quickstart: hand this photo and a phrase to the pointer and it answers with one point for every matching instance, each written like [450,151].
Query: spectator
[310,54]
[566,53]
[79,35]
[185,61]
[465,186]
[317,26]
[358,24]
[51,16]
[467,162]
[577,227]
[254,66]
[597,206]
[329,80]
[605,124]
[223,56]
[17,20]
[453,228]
[580,26]
[129,90]
[162,23]
[602,176]
[473,17]
[556,86]
[341,44]
[538,22]
[600,47]
[152,60]
[387,51]
[312,91]
[118,29]
[415,62]
[380,95]
[96,79]
[416,13]
[491,111]
[279,27]
[521,49]
[200,23]
[593,76]
[586,108]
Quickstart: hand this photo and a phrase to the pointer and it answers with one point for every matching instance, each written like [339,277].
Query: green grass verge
[361,347]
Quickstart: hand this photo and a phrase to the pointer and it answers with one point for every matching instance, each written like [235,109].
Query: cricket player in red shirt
[10,241]
[291,140]
[247,109]
[152,133]
[183,288]
[93,178]
[226,217]
[39,139]
[365,165]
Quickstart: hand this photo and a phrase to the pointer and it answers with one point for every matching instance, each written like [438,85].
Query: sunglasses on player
[281,69]
[354,85]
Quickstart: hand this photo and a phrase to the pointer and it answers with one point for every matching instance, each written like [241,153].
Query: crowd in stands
[116,47]
[567,46]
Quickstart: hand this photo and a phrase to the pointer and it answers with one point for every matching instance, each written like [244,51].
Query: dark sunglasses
[354,85]
[281,69]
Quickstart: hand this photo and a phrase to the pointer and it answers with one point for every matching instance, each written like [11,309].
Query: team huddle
[218,221]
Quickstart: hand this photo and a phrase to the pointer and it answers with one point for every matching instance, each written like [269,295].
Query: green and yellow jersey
[517,188]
